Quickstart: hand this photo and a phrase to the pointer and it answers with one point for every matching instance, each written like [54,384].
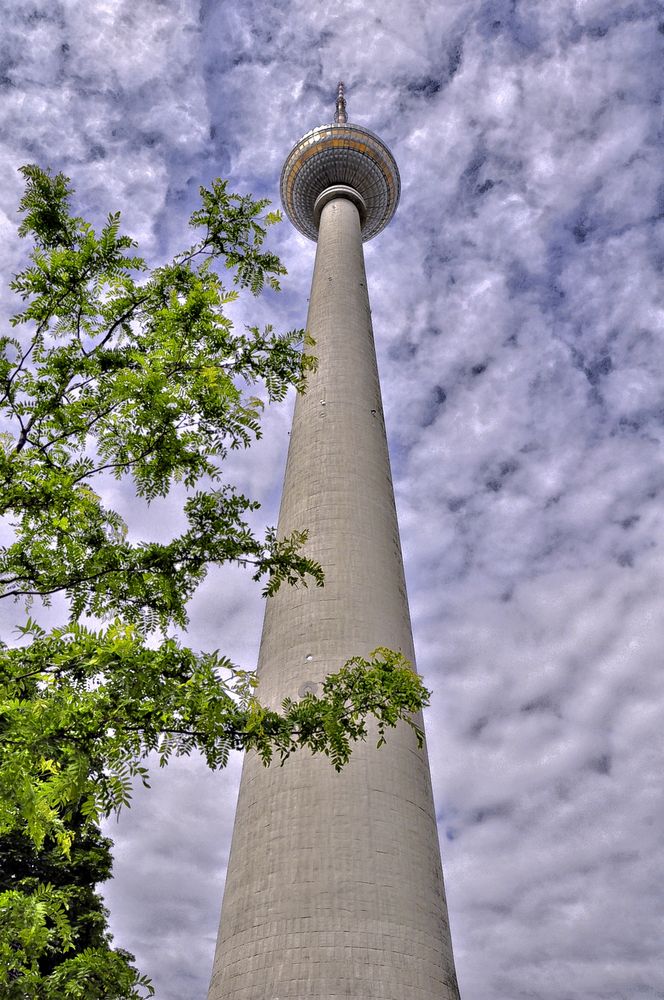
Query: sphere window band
[347,155]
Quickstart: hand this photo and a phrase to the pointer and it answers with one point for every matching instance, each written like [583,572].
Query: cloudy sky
[517,306]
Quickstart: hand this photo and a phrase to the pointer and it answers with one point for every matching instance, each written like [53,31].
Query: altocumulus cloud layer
[517,306]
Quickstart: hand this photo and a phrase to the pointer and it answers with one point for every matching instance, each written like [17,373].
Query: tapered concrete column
[334,886]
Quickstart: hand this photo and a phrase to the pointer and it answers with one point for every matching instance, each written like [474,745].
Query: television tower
[334,886]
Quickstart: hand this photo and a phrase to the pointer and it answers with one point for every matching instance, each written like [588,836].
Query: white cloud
[517,304]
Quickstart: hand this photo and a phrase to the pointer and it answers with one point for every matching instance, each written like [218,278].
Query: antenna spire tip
[340,116]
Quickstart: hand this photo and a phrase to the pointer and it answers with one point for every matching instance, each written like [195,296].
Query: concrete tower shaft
[334,886]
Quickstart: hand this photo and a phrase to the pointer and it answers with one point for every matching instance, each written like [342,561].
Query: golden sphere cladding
[340,155]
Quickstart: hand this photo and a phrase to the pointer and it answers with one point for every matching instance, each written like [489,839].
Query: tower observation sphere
[340,159]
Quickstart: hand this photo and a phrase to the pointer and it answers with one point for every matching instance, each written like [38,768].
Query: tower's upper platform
[340,154]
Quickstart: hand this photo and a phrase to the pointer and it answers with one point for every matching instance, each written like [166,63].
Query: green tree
[119,370]
[72,879]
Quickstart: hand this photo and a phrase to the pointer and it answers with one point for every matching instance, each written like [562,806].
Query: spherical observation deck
[340,154]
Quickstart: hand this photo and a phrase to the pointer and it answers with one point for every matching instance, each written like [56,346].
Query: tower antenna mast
[340,116]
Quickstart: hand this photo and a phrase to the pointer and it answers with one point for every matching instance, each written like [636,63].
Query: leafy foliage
[51,914]
[119,371]
[140,378]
